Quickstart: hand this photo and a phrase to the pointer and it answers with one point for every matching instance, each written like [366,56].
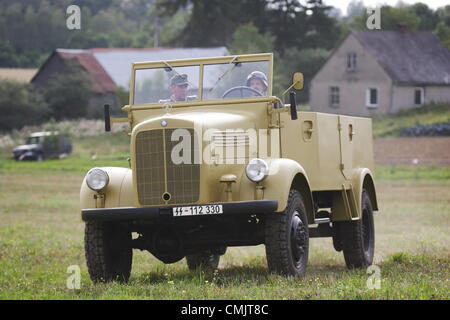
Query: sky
[342,4]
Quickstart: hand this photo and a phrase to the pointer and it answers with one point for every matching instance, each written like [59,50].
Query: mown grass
[392,125]
[412,173]
[41,235]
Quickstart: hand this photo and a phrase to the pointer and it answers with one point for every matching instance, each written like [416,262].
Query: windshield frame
[201,62]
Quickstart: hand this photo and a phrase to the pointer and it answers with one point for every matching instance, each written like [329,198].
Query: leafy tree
[428,18]
[20,106]
[212,22]
[307,61]
[391,19]
[247,39]
[355,8]
[443,33]
[292,23]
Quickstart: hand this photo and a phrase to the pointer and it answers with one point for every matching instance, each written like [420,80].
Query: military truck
[217,161]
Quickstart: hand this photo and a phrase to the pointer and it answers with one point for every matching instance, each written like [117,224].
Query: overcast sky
[342,4]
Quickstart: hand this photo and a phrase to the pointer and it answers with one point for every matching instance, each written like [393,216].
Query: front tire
[287,238]
[108,251]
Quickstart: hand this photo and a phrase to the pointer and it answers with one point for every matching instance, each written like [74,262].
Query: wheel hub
[298,237]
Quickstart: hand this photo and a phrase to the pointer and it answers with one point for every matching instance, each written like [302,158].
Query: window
[351,61]
[418,96]
[334,97]
[372,97]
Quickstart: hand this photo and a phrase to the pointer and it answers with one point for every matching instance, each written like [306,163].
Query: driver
[257,80]
[179,89]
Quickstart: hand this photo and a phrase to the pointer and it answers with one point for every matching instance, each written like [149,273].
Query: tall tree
[293,23]
[212,22]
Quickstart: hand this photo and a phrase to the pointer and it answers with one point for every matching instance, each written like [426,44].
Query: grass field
[391,125]
[41,235]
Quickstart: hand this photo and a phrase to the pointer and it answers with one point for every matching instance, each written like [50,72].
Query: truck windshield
[33,140]
[232,80]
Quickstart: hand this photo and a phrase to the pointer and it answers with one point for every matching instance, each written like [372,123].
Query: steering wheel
[241,89]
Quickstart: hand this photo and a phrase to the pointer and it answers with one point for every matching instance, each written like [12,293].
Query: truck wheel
[108,252]
[358,237]
[287,238]
[204,260]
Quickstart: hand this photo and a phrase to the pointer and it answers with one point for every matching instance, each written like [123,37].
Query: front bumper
[154,213]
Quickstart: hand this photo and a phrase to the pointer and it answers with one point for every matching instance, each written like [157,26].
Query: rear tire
[358,237]
[108,251]
[287,238]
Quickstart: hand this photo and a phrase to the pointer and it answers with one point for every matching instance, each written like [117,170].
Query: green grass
[41,235]
[412,173]
[391,125]
[77,164]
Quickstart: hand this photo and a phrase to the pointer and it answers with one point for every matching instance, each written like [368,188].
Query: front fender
[284,174]
[118,193]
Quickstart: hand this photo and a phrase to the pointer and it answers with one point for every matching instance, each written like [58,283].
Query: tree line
[300,33]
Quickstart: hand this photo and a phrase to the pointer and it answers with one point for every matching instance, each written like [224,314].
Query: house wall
[403,96]
[53,67]
[437,93]
[352,85]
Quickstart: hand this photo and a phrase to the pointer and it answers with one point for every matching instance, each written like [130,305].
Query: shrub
[20,106]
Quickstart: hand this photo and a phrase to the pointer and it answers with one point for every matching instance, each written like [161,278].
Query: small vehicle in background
[44,145]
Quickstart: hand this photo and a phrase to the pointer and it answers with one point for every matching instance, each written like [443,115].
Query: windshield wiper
[169,68]
[236,64]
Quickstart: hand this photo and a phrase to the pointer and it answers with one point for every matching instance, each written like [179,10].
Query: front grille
[157,173]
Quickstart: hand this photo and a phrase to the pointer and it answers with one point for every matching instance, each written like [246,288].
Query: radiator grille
[156,173]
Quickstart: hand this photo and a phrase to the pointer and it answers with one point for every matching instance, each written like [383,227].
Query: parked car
[44,145]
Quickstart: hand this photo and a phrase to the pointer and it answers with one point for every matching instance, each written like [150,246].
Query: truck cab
[216,161]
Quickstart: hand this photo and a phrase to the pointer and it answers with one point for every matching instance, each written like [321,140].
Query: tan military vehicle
[218,161]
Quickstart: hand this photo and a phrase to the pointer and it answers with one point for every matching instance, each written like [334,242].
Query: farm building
[110,68]
[382,72]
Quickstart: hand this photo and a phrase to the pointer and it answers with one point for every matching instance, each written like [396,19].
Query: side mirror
[293,106]
[298,81]
[107,118]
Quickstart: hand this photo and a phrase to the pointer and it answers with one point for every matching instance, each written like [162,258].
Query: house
[110,68]
[382,72]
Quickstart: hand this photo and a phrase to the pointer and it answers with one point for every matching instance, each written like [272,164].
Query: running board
[322,220]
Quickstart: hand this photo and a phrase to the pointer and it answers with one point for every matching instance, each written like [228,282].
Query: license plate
[197,210]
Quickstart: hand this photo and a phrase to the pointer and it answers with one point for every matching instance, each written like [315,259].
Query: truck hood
[201,120]
[26,147]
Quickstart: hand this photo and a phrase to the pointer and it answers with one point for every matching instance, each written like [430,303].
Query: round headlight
[257,170]
[97,179]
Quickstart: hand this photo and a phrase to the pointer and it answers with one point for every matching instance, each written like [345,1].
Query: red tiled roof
[100,80]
